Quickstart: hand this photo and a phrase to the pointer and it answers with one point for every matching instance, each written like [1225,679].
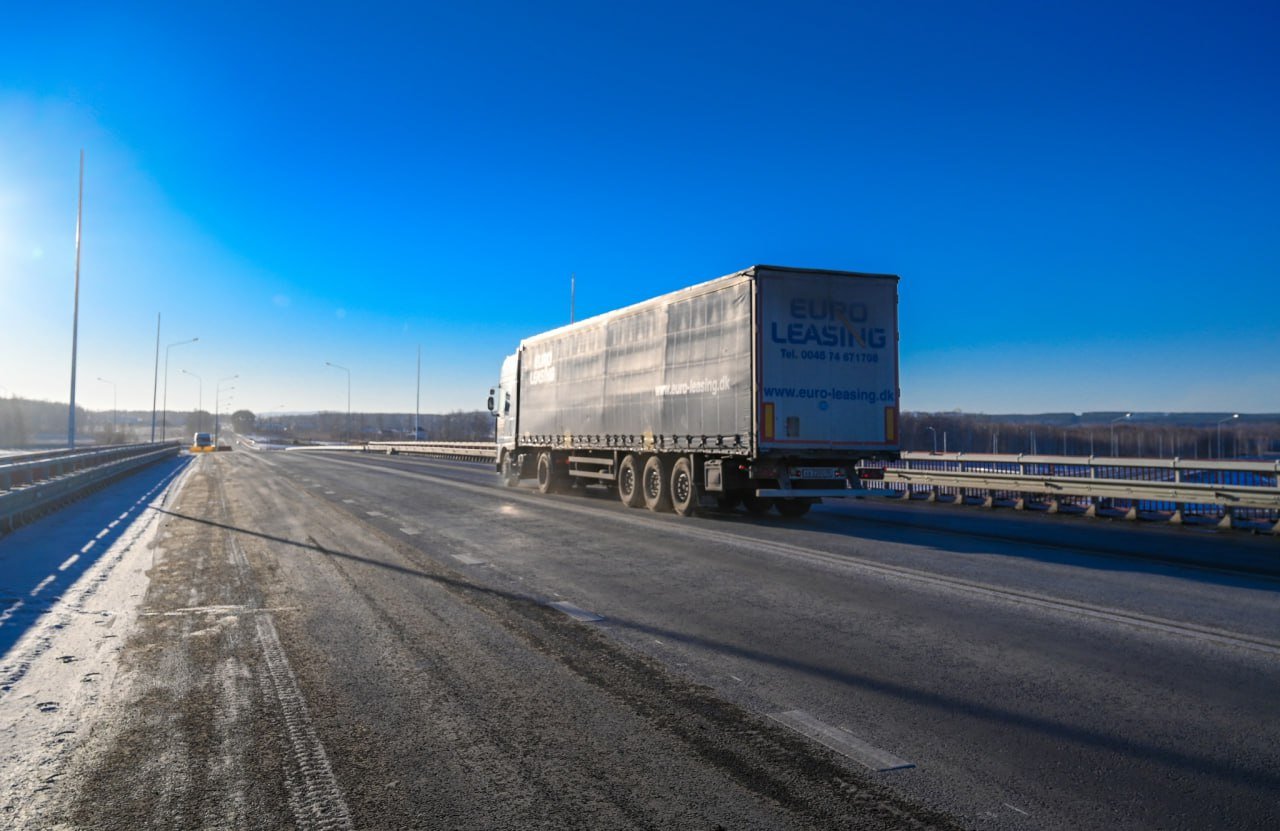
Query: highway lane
[349,641]
[294,666]
[1078,688]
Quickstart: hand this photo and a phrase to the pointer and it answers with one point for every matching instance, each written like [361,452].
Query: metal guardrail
[463,451]
[30,488]
[1172,489]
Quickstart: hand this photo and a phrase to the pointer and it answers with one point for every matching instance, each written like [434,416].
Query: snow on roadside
[57,678]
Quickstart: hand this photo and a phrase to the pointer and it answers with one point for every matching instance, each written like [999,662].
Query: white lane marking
[69,562]
[219,610]
[413,532]
[328,493]
[9,612]
[125,515]
[1012,808]
[467,561]
[102,533]
[576,613]
[87,546]
[375,513]
[349,501]
[44,584]
[841,741]
[113,523]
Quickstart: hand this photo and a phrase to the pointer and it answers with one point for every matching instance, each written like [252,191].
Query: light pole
[75,318]
[217,401]
[935,438]
[1114,449]
[114,411]
[199,401]
[155,380]
[164,412]
[344,369]
[1220,423]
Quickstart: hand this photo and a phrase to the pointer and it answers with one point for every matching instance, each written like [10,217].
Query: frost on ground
[57,675]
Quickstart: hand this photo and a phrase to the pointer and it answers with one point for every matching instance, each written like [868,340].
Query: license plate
[814,473]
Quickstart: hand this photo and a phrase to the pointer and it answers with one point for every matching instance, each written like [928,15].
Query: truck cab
[503,406]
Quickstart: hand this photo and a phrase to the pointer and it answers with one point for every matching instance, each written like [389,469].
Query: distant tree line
[1186,435]
[27,423]
[475,425]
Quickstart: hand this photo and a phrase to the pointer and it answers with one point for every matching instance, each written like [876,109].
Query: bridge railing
[1227,491]
[464,451]
[30,487]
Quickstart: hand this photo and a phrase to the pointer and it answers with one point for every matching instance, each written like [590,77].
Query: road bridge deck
[360,641]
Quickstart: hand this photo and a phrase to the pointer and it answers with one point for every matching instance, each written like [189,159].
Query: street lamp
[164,417]
[935,438]
[199,401]
[1114,449]
[217,391]
[114,411]
[344,369]
[1220,423]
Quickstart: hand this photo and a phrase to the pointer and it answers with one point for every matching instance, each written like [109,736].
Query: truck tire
[757,505]
[793,508]
[654,483]
[630,474]
[510,473]
[684,490]
[548,481]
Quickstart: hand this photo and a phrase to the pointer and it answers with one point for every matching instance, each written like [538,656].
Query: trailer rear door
[828,360]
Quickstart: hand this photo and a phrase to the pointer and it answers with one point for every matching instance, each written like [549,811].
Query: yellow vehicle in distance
[202,443]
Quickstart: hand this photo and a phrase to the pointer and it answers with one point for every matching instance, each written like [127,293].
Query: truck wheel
[657,494]
[629,476]
[684,492]
[757,505]
[792,508]
[510,473]
[548,482]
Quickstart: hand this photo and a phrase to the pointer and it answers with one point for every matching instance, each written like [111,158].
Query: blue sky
[1081,198]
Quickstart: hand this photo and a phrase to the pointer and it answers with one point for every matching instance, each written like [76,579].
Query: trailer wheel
[657,494]
[548,482]
[793,508]
[629,488]
[684,491]
[757,505]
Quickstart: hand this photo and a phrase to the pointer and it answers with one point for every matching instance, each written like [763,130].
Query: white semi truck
[768,388]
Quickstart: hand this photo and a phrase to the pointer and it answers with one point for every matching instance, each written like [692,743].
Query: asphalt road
[346,641]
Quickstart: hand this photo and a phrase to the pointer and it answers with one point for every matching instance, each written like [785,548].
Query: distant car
[202,441]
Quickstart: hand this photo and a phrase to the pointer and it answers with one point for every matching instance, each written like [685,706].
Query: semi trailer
[770,388]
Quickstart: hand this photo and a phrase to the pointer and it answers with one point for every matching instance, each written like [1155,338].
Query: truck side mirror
[490,404]
[506,404]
